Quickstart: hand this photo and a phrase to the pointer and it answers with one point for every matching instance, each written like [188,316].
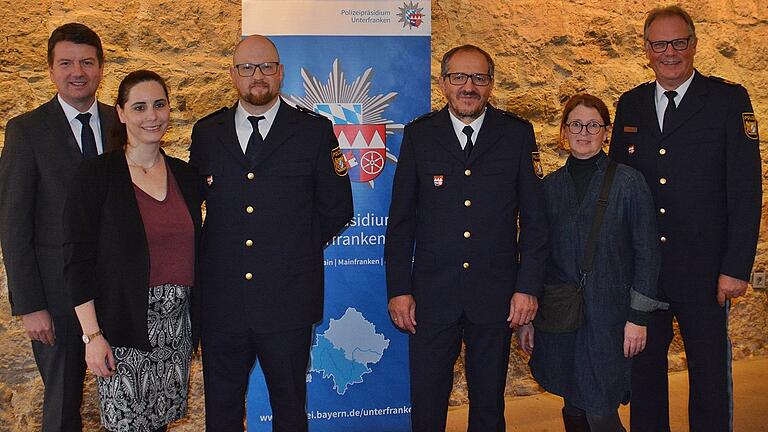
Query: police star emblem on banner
[411,15]
[357,119]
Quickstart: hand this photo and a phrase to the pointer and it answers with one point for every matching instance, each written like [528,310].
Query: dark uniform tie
[87,139]
[256,140]
[670,110]
[468,148]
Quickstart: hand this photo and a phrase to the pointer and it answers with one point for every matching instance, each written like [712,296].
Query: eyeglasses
[248,69]
[460,78]
[660,46]
[593,128]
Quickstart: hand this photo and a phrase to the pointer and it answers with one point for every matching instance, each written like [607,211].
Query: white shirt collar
[77,128]
[681,89]
[72,112]
[458,127]
[244,128]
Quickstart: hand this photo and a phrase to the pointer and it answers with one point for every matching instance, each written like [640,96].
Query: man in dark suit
[466,175]
[42,149]
[277,192]
[695,140]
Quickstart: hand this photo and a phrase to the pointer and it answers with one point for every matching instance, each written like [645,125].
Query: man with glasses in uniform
[456,270]
[277,191]
[695,140]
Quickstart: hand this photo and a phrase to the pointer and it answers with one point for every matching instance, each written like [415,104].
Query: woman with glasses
[590,367]
[131,223]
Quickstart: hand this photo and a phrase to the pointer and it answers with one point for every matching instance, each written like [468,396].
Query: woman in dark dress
[590,367]
[132,220]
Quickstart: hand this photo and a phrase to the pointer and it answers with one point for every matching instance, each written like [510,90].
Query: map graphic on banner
[345,351]
[365,65]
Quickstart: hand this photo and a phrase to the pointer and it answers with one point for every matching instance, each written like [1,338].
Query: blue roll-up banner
[366,66]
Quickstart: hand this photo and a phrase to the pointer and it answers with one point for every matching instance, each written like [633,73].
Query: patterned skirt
[149,389]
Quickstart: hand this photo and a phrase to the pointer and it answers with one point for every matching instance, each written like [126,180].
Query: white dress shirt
[662,101]
[458,128]
[77,127]
[244,128]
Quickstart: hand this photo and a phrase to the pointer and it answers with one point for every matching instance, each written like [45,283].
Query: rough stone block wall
[546,50]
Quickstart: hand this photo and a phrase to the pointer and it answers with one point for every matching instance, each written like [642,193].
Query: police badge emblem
[437,180]
[339,164]
[750,125]
[209,180]
[538,169]
[631,149]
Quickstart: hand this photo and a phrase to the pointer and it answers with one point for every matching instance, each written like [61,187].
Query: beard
[260,99]
[464,112]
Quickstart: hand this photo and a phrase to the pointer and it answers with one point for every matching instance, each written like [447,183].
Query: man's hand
[729,287]
[522,309]
[99,357]
[402,310]
[634,339]
[525,338]
[39,326]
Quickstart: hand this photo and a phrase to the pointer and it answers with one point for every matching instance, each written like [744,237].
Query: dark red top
[170,236]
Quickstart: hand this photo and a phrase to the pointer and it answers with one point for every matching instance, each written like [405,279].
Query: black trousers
[228,359]
[433,352]
[62,367]
[704,329]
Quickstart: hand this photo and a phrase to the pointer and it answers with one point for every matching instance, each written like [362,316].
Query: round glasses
[248,69]
[593,128]
[660,46]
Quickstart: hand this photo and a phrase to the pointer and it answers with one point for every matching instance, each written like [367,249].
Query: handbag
[561,307]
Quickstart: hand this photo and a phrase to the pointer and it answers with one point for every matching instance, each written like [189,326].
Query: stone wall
[545,50]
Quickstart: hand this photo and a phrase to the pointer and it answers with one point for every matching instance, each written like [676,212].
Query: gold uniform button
[662,210]
[662,151]
[663,239]
[663,180]
[248,276]
[250,176]
[468,172]
[467,203]
[249,209]
[249,242]
[467,234]
[466,265]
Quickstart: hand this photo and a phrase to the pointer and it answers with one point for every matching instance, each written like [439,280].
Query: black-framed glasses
[460,78]
[659,46]
[593,128]
[248,69]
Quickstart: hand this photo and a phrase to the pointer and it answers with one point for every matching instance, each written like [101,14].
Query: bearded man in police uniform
[466,174]
[695,139]
[277,192]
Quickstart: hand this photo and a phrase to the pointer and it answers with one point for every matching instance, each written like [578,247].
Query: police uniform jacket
[267,221]
[452,237]
[39,158]
[704,174]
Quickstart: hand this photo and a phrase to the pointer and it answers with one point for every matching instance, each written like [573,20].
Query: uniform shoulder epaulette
[643,85]
[422,117]
[724,81]
[514,116]
[213,114]
[309,112]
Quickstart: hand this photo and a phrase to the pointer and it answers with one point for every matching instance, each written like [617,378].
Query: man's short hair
[669,11]
[447,57]
[75,33]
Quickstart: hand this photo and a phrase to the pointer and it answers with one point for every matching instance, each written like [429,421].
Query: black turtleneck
[581,171]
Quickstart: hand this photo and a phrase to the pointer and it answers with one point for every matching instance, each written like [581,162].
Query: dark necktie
[468,148]
[256,140]
[671,108]
[87,139]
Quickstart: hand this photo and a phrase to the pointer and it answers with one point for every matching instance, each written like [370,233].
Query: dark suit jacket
[447,211]
[711,194]
[289,203]
[39,158]
[106,255]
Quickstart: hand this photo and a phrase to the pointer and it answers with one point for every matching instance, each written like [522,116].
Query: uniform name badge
[437,180]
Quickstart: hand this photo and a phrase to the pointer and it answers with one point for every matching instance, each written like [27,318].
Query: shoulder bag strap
[602,204]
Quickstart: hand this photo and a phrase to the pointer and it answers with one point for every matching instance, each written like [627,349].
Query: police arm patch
[750,125]
[339,163]
[538,169]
